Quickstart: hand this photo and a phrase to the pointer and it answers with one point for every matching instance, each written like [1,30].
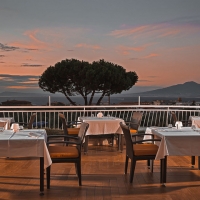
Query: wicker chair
[134,124]
[29,125]
[135,150]
[68,130]
[67,153]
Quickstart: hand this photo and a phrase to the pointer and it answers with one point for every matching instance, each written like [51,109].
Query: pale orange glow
[128,32]
[125,50]
[151,55]
[21,87]
[88,46]
[141,49]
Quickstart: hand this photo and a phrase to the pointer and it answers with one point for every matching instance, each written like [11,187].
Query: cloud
[21,87]
[144,80]
[126,50]
[170,28]
[152,76]
[7,47]
[31,65]
[134,58]
[2,56]
[84,45]
[151,55]
[18,82]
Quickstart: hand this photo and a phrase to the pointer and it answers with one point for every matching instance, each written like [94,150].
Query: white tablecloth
[8,120]
[195,120]
[175,142]
[25,143]
[104,125]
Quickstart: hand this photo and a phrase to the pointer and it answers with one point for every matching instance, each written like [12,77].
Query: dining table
[175,142]
[103,126]
[26,143]
[8,121]
[195,120]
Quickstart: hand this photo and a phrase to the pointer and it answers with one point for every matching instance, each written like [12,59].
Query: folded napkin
[33,134]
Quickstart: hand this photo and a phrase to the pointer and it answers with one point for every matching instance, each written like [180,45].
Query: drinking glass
[92,115]
[108,115]
[169,125]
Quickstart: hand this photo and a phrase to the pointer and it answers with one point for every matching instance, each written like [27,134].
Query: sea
[44,100]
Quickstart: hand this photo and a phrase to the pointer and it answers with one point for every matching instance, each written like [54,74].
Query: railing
[47,116]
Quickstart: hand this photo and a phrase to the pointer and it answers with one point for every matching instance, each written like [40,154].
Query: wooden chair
[67,154]
[68,130]
[135,150]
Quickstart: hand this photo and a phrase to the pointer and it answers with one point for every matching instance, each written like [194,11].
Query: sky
[158,39]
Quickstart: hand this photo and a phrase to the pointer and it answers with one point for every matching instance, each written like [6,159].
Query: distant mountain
[25,94]
[188,89]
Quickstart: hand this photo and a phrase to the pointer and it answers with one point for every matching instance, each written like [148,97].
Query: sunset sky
[158,39]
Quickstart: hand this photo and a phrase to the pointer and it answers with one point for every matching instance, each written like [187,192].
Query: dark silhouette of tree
[74,77]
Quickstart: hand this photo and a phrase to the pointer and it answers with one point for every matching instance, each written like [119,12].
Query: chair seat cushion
[73,131]
[133,131]
[145,150]
[63,152]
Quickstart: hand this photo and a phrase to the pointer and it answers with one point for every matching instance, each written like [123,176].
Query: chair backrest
[64,123]
[31,120]
[174,118]
[128,139]
[136,120]
[82,132]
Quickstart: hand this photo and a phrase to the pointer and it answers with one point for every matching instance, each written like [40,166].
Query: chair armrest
[22,123]
[63,142]
[147,140]
[65,136]
[141,134]
[62,136]
[70,124]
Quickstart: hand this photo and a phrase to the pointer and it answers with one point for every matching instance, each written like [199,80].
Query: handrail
[153,115]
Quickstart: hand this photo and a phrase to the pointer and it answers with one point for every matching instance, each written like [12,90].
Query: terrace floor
[102,178]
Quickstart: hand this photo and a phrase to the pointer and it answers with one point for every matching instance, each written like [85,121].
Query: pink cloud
[22,87]
[151,55]
[126,50]
[84,45]
[155,30]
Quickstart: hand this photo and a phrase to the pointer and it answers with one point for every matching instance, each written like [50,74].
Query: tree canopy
[72,77]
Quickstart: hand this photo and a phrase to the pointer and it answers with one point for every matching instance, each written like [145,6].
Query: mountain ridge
[187,89]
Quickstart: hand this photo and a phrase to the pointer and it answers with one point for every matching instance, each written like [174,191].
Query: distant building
[55,103]
[133,103]
[16,103]
[156,102]
[197,103]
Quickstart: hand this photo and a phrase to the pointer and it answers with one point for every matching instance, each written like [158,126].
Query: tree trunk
[91,98]
[72,102]
[99,100]
[68,98]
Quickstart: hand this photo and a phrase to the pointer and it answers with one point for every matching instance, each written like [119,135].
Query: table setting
[19,142]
